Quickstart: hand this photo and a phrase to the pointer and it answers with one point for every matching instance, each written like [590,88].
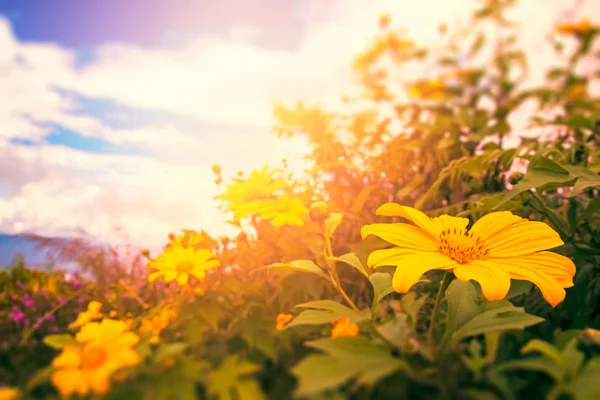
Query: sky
[112,112]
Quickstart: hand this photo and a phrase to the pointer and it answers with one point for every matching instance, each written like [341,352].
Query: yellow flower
[9,393]
[92,313]
[188,239]
[319,211]
[282,320]
[284,211]
[343,327]
[157,323]
[106,348]
[497,248]
[245,197]
[178,263]
[569,28]
[577,91]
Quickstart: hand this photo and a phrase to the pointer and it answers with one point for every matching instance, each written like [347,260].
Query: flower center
[93,356]
[184,267]
[461,246]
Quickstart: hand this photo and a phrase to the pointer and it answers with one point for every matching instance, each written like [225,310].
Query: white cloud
[224,82]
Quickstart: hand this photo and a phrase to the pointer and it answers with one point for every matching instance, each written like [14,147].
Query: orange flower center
[93,356]
[461,246]
[184,267]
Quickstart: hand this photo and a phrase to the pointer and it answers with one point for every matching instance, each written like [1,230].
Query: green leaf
[40,377]
[326,311]
[229,376]
[60,341]
[585,386]
[299,266]
[518,287]
[331,223]
[352,260]
[168,350]
[541,364]
[546,349]
[496,320]
[382,285]
[547,164]
[587,178]
[395,330]
[463,304]
[593,207]
[347,357]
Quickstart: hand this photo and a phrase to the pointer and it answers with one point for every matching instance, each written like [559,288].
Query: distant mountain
[12,246]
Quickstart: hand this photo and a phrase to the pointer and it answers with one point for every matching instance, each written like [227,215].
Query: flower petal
[170,276]
[387,257]
[70,357]
[410,269]
[551,289]
[494,222]
[182,279]
[402,235]
[155,275]
[493,279]
[445,222]
[522,238]
[558,267]
[412,214]
[70,380]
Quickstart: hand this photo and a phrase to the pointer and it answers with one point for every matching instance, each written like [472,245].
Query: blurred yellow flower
[189,238]
[157,323]
[92,313]
[498,247]
[343,327]
[569,28]
[244,197]
[284,211]
[577,91]
[178,263]
[106,348]
[433,89]
[9,393]
[282,320]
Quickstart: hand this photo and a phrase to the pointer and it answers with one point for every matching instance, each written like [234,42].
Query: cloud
[223,86]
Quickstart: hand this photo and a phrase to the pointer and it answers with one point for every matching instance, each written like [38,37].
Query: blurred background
[112,113]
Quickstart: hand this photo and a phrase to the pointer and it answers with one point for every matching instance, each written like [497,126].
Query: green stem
[436,306]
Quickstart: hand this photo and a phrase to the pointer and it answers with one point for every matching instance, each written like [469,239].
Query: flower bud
[515,177]
[319,211]
[216,169]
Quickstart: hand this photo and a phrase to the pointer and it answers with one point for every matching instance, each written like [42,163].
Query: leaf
[395,330]
[382,285]
[229,376]
[40,377]
[331,223]
[326,311]
[496,320]
[347,357]
[299,266]
[352,260]
[462,302]
[546,349]
[60,341]
[518,287]
[168,350]
[532,364]
[593,207]
[587,178]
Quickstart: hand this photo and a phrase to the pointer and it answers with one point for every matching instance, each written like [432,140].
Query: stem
[436,305]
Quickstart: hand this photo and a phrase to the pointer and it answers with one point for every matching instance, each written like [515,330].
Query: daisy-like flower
[157,323]
[107,347]
[178,263]
[497,248]
[245,197]
[92,313]
[281,321]
[570,28]
[343,327]
[284,211]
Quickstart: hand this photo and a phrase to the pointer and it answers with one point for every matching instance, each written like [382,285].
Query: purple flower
[27,301]
[20,285]
[76,285]
[54,329]
[17,315]
[61,300]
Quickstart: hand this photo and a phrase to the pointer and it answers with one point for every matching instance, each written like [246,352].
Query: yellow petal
[94,307]
[558,267]
[69,380]
[182,279]
[70,357]
[522,238]
[387,257]
[198,273]
[402,235]
[410,269]
[493,279]
[445,222]
[494,222]
[412,214]
[89,332]
[127,339]
[153,276]
[170,276]
[552,291]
